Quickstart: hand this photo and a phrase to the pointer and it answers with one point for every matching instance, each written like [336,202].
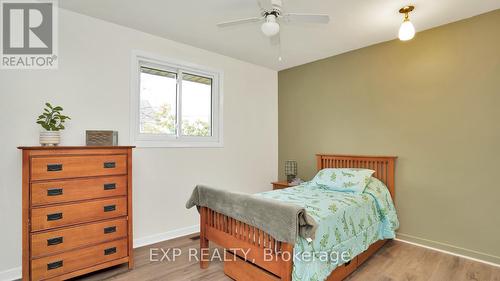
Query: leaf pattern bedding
[347,222]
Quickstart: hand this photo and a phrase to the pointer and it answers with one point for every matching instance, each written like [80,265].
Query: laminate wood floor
[396,261]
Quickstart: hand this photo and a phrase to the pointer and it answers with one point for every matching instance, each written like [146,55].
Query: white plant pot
[50,138]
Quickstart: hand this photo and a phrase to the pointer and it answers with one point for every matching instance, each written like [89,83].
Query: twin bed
[353,226]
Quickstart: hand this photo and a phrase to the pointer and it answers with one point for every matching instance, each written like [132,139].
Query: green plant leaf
[52,119]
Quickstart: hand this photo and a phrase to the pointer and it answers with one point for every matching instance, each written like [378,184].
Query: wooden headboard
[384,166]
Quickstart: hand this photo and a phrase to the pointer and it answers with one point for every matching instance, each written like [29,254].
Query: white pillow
[344,179]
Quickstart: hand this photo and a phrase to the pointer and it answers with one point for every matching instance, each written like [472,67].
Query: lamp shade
[270,27]
[290,170]
[406,31]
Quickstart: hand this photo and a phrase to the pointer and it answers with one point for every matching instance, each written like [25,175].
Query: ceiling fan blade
[242,21]
[306,18]
[264,5]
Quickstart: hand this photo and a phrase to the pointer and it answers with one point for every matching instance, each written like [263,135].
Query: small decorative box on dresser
[77,210]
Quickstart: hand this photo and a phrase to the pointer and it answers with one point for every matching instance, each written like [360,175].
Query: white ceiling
[354,24]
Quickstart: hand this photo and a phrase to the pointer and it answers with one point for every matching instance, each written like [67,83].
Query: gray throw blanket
[281,220]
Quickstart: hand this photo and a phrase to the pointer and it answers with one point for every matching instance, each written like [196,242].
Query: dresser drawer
[67,262]
[48,243]
[79,189]
[69,214]
[60,167]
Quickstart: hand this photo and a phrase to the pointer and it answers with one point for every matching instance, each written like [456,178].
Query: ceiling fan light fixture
[270,27]
[406,30]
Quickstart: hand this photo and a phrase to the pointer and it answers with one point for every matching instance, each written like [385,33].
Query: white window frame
[139,139]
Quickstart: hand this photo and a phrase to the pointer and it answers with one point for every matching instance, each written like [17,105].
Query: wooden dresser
[77,210]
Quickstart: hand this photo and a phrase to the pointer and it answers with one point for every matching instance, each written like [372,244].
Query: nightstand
[280,184]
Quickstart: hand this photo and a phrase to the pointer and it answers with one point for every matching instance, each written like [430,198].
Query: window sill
[173,144]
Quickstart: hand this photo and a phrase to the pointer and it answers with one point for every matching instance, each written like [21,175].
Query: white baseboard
[448,252]
[155,238]
[11,274]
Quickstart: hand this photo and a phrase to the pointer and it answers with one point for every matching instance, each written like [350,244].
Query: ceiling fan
[272,15]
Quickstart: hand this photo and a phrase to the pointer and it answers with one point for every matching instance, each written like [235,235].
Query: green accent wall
[434,102]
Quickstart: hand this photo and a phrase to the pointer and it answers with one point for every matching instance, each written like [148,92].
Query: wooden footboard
[257,256]
[247,242]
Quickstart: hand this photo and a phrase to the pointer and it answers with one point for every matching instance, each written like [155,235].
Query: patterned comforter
[348,224]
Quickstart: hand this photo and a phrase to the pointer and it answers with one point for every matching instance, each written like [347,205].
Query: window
[174,104]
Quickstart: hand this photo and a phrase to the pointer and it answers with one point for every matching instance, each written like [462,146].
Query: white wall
[93,85]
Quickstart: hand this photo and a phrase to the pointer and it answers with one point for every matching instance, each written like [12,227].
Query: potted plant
[52,122]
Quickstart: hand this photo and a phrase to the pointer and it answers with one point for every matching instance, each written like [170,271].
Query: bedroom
[342,86]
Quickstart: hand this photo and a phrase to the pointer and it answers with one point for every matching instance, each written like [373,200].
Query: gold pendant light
[407,30]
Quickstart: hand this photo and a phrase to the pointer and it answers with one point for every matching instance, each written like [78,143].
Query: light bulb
[270,27]
[406,31]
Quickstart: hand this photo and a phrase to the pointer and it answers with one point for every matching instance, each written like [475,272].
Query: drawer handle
[109,165]
[54,167]
[109,186]
[54,241]
[109,251]
[54,191]
[110,229]
[54,217]
[109,208]
[54,265]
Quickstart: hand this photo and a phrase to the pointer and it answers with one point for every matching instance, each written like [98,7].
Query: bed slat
[382,165]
